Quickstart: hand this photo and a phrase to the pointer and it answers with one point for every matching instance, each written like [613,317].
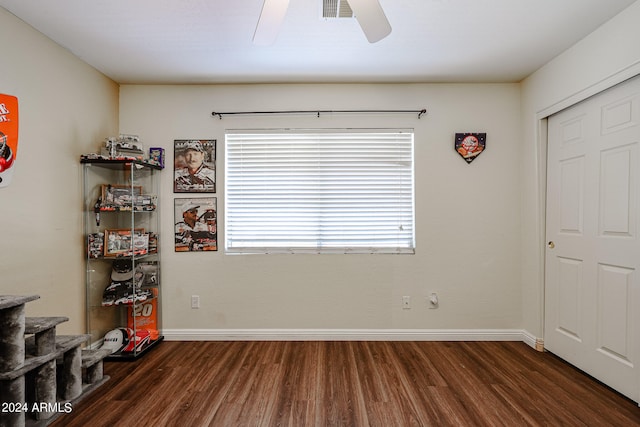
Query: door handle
[551,245]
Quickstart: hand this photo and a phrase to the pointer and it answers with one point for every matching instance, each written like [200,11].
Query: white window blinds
[319,192]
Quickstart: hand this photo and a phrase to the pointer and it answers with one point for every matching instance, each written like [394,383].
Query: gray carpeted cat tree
[42,375]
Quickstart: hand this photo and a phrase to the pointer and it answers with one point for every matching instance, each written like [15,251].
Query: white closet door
[592,283]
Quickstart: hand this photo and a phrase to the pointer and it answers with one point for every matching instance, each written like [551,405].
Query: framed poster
[194,166]
[196,224]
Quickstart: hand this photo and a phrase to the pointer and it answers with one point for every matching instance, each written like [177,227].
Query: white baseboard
[350,335]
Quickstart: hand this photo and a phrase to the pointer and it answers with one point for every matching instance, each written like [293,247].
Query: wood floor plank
[425,386]
[404,384]
[341,383]
[297,388]
[340,394]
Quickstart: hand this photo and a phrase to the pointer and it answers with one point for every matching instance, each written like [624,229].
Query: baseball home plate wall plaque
[470,145]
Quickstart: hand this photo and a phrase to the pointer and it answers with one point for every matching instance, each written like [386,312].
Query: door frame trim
[608,82]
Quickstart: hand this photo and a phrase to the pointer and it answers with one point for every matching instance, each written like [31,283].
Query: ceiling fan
[369,14]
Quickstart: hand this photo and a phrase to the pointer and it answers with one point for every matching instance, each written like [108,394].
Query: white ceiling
[210,41]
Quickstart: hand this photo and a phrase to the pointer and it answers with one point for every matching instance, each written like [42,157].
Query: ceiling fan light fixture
[368,13]
[371,18]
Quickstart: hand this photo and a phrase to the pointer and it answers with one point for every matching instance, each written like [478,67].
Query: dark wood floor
[349,384]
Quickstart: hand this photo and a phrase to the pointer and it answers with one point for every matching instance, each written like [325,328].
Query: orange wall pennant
[8,137]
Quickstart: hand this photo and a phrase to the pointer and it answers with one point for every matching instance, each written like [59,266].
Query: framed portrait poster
[196,222]
[194,166]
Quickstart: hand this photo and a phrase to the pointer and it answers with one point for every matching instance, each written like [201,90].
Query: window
[319,192]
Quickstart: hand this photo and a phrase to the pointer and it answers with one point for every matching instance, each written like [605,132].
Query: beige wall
[480,227]
[467,216]
[66,108]
[608,56]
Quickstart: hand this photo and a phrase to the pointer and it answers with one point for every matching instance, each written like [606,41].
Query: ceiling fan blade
[271,18]
[371,18]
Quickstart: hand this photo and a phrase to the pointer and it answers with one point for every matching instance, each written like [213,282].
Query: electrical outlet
[195,301]
[406,302]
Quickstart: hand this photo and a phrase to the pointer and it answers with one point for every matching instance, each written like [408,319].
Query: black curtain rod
[420,113]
